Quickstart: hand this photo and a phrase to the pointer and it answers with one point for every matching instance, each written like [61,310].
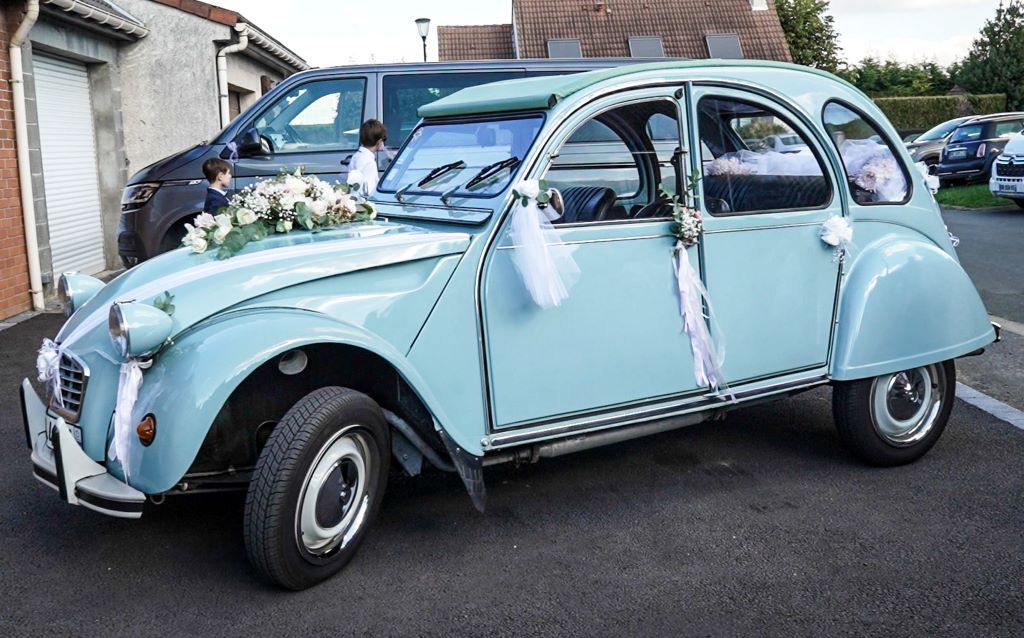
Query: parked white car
[1007,178]
[783,143]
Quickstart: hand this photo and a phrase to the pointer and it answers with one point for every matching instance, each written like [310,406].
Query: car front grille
[1011,169]
[73,378]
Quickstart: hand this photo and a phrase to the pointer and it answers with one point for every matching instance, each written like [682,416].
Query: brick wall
[14,296]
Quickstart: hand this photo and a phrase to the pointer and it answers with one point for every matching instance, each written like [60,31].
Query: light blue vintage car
[300,368]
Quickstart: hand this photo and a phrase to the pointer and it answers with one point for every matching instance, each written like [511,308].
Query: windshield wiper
[434,173]
[491,170]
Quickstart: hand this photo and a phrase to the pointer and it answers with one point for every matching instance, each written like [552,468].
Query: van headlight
[74,289]
[137,329]
[136,196]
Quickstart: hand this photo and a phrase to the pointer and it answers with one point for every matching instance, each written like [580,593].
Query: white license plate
[957,154]
[51,425]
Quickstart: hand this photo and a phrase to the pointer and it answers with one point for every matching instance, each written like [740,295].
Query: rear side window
[1006,129]
[316,116]
[754,160]
[874,173]
[404,94]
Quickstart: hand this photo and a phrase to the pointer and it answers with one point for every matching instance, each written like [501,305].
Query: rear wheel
[895,418]
[1019,203]
[318,485]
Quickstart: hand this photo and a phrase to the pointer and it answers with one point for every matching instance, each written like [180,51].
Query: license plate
[51,426]
[957,155]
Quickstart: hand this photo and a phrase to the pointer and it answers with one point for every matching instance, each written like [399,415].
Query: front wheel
[895,418]
[1019,203]
[317,487]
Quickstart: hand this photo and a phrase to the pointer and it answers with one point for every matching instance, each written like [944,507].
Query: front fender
[189,383]
[905,303]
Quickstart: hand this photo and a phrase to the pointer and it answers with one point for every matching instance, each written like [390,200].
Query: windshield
[478,144]
[939,132]
[968,133]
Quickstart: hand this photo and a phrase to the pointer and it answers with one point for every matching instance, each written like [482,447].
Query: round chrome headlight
[118,330]
[137,329]
[74,290]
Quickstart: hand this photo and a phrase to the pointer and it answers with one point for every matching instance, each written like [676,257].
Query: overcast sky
[330,32]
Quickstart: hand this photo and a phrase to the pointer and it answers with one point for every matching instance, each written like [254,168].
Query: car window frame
[251,123]
[568,133]
[786,115]
[881,132]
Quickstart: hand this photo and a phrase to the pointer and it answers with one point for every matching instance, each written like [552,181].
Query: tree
[810,34]
[894,79]
[995,63]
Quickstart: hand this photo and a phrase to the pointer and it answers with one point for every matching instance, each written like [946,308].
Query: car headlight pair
[137,329]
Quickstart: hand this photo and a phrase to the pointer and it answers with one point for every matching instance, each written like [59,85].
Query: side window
[620,164]
[873,171]
[1008,129]
[317,116]
[403,94]
[754,160]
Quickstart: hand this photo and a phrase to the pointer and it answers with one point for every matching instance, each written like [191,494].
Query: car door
[315,126]
[617,341]
[771,280]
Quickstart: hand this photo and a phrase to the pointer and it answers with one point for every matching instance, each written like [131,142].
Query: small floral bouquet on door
[276,205]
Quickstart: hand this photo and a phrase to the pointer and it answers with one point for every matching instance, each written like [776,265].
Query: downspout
[222,70]
[28,211]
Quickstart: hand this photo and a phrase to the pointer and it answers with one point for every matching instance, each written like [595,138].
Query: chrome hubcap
[334,498]
[906,404]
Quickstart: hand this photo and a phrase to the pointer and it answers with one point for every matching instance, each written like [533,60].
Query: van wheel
[895,418]
[172,238]
[317,487]
[1019,203]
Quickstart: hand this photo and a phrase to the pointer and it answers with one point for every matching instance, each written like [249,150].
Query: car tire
[1019,203]
[896,418]
[317,487]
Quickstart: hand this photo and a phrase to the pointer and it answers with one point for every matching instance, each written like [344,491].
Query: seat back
[586,204]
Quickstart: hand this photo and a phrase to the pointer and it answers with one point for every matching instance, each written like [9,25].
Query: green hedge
[926,112]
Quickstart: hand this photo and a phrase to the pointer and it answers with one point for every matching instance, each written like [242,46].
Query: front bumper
[59,462]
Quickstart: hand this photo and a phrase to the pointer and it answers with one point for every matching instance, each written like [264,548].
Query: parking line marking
[1009,326]
[995,407]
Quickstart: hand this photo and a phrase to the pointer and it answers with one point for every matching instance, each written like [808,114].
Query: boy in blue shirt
[218,173]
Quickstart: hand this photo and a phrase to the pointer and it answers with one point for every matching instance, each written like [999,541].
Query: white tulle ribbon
[48,367]
[546,267]
[128,386]
[931,181]
[837,231]
[707,358]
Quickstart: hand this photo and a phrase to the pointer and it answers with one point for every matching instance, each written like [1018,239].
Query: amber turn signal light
[146,429]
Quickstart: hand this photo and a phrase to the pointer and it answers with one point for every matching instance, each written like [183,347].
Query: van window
[316,116]
[402,94]
[754,160]
[873,170]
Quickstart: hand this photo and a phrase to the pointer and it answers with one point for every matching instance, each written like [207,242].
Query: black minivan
[975,144]
[310,120]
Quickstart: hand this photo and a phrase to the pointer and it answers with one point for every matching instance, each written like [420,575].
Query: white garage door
[69,165]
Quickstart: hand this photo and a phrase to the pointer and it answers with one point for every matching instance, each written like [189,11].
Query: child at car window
[372,136]
[218,173]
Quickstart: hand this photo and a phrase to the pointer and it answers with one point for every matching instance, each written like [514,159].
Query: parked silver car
[927,146]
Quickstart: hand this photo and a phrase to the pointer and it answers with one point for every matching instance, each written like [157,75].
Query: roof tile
[475,42]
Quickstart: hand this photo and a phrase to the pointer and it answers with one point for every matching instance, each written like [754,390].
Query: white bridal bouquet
[276,205]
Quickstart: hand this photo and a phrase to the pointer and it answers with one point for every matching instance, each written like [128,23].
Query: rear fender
[905,303]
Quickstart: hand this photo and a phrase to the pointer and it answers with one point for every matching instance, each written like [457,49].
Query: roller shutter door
[68,143]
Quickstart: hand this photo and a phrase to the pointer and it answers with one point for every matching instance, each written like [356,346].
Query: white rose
[295,185]
[245,217]
[528,188]
[348,205]
[204,220]
[197,243]
[318,208]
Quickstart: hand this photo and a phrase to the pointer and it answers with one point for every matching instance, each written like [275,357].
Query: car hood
[1015,146]
[159,170]
[202,285]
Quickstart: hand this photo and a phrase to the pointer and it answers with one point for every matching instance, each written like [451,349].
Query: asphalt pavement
[760,524]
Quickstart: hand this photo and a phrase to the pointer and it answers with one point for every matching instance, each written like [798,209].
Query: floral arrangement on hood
[276,205]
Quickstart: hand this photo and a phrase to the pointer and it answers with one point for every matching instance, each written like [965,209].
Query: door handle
[345,162]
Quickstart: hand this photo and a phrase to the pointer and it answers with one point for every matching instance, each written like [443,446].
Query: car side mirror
[250,143]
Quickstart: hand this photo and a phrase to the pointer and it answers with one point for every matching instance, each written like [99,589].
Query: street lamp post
[423,26]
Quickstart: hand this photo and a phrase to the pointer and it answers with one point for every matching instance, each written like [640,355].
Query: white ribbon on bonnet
[48,367]
[545,266]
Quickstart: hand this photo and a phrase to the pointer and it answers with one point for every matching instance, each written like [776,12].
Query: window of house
[234,104]
[755,160]
[564,48]
[620,164]
[724,45]
[646,48]
[403,94]
[315,116]
[873,170]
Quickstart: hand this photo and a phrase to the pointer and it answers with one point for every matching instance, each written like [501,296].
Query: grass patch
[973,196]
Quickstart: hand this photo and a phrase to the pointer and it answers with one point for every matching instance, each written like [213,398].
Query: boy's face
[224,179]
